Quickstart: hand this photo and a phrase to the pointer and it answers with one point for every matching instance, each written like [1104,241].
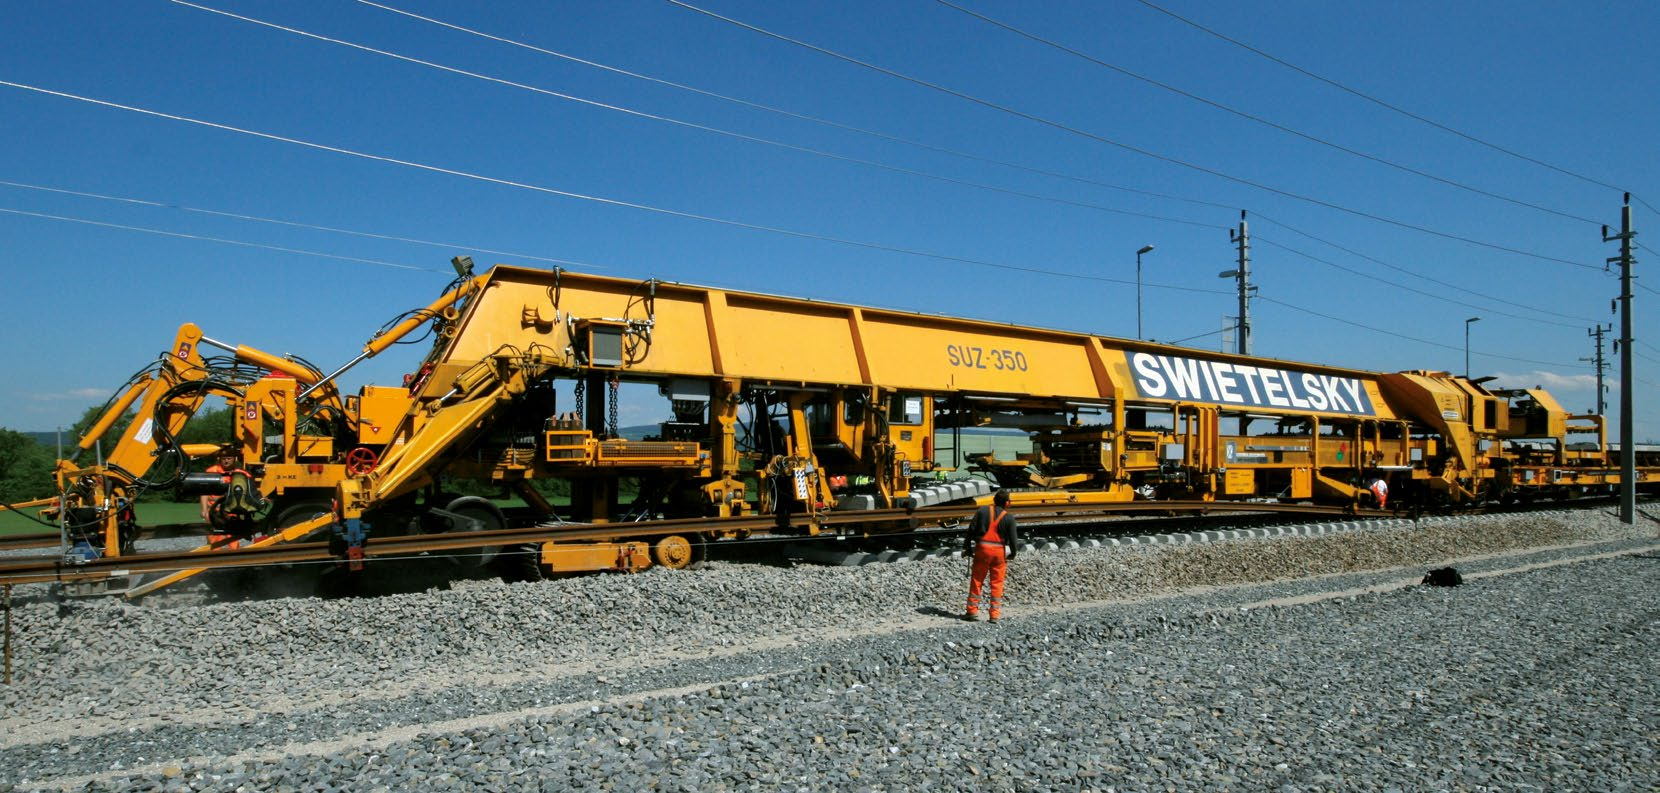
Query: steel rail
[19,542]
[50,539]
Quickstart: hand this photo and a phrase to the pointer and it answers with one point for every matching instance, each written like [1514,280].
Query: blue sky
[1032,220]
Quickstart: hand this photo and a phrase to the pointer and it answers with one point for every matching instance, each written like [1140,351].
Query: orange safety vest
[992,535]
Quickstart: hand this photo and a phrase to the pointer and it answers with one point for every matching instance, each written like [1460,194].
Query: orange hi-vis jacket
[993,526]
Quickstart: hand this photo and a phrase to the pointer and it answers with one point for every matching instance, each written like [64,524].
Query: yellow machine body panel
[940,355]
[697,331]
[517,307]
[1240,481]
[379,410]
[1437,400]
[700,331]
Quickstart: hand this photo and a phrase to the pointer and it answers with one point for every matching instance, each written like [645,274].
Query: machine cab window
[906,408]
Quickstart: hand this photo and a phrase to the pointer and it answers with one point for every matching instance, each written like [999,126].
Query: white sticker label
[145,431]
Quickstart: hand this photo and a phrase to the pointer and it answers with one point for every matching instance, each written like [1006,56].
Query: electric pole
[1628,451]
[1242,240]
[1602,366]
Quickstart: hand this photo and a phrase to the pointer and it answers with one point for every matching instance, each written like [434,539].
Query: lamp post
[1467,345]
[1144,249]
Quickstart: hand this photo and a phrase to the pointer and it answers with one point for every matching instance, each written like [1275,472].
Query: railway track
[53,568]
[1073,531]
[930,526]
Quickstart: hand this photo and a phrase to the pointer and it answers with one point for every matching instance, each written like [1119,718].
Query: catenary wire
[855,129]
[1258,238]
[1216,332]
[879,165]
[595,199]
[1375,100]
[294,224]
[831,123]
[1373,329]
[1119,144]
[222,240]
[700,127]
[800,116]
[1413,273]
[1260,120]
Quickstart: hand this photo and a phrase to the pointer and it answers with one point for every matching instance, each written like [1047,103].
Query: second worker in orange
[992,542]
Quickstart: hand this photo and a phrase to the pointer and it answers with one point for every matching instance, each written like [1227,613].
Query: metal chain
[611,396]
[581,400]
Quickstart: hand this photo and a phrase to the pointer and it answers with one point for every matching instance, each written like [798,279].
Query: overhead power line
[298,251]
[1416,274]
[592,198]
[800,116]
[1376,281]
[1374,100]
[1118,144]
[1260,120]
[295,224]
[1373,329]
[930,147]
[220,240]
[700,127]
[1216,332]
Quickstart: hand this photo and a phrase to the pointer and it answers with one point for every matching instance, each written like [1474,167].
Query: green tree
[25,468]
[209,425]
[212,425]
[88,418]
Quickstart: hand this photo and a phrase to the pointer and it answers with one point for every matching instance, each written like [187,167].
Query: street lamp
[1144,249]
[1467,345]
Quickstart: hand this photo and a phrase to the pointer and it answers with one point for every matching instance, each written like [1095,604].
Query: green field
[1006,446]
[159,513]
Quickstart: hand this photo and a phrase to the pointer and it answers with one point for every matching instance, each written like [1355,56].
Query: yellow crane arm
[442,307]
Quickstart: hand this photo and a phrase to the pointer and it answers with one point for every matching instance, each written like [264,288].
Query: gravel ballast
[1147,667]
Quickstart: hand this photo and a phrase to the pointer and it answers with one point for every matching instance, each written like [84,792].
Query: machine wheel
[298,513]
[517,564]
[262,581]
[491,519]
[677,552]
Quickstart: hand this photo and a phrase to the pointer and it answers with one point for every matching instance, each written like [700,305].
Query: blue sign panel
[1240,385]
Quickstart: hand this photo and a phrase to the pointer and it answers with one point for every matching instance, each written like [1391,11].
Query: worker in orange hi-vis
[1380,491]
[992,541]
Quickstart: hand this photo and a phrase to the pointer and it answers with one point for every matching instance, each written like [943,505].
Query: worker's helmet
[1001,498]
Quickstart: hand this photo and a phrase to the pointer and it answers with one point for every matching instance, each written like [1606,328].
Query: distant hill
[48,439]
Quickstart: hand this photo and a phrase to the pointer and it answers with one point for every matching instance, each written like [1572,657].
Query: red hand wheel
[361,460]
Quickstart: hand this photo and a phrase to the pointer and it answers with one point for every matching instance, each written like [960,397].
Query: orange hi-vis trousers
[989,560]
